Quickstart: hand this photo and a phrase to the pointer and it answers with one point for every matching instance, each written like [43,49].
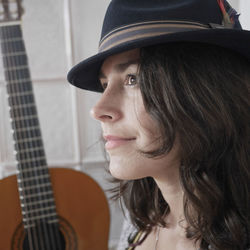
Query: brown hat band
[146,30]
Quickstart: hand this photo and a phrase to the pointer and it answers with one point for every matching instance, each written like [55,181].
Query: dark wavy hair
[201,93]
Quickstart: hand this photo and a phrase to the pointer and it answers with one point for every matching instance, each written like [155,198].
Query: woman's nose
[107,109]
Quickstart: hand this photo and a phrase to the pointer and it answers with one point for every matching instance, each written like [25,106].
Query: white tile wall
[54,109]
[43,28]
[244,6]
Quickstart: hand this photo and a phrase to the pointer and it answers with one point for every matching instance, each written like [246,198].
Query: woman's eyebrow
[121,67]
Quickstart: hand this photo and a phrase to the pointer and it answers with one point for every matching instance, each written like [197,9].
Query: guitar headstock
[10,10]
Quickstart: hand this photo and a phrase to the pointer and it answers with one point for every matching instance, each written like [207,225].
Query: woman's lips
[115,141]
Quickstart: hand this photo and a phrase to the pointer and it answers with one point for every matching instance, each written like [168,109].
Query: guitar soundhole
[45,236]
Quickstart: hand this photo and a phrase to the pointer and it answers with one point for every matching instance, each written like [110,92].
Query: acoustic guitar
[41,208]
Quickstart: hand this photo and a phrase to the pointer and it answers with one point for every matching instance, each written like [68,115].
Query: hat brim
[85,74]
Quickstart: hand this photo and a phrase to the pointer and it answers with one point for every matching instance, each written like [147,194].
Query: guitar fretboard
[34,184]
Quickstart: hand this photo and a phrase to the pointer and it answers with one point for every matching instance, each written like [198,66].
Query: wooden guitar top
[80,204]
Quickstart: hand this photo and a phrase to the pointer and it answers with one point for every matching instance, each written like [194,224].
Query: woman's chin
[119,174]
[122,172]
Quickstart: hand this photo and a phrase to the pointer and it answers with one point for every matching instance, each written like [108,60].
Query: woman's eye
[104,85]
[131,80]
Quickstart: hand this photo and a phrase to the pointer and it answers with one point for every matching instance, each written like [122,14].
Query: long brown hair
[201,93]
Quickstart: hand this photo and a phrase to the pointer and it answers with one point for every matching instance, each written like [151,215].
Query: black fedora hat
[130,24]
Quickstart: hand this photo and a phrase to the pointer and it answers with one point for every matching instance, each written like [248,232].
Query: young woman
[174,110]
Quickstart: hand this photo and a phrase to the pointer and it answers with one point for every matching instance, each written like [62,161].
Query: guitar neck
[34,184]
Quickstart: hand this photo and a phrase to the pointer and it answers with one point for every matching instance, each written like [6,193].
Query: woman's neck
[173,196]
[172,192]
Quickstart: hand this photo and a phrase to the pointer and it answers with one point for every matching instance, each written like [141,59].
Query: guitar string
[13,117]
[40,228]
[53,231]
[19,113]
[35,232]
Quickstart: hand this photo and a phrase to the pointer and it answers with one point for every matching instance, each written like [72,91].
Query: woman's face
[127,127]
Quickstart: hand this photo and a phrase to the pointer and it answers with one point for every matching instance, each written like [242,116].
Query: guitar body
[80,204]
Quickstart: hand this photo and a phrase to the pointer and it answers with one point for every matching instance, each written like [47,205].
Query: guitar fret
[42,193]
[26,133]
[21,180]
[21,99]
[23,106]
[15,60]
[26,118]
[38,138]
[29,146]
[29,171]
[16,68]
[29,150]
[11,23]
[15,74]
[31,123]
[9,76]
[27,129]
[22,112]
[32,160]
[7,40]
[22,53]
[27,226]
[37,202]
[24,93]
[34,187]
[26,170]
[19,81]
[30,211]
[13,47]
[34,128]
[11,29]
[30,154]
[22,86]
[53,221]
[25,123]
[43,216]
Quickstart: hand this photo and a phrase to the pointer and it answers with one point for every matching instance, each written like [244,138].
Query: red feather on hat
[230,15]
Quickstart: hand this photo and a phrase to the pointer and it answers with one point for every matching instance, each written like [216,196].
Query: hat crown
[125,12]
[130,24]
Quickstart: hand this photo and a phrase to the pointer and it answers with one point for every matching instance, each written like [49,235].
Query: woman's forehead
[119,62]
